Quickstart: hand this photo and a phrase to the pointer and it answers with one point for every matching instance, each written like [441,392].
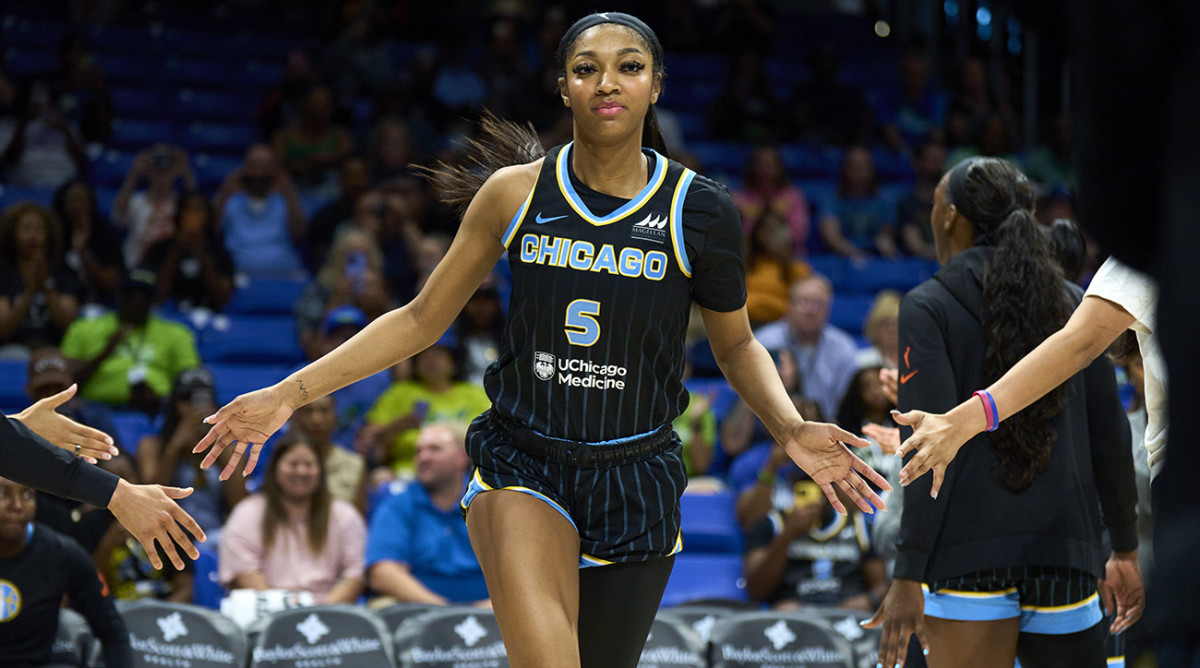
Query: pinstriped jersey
[602,287]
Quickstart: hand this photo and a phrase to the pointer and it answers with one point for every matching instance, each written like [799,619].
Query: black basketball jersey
[594,343]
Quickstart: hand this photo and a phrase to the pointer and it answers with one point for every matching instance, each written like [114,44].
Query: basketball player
[573,505]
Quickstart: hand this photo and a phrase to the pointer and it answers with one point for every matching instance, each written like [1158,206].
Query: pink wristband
[989,409]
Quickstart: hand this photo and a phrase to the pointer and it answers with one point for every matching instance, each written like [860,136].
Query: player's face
[610,82]
[17,505]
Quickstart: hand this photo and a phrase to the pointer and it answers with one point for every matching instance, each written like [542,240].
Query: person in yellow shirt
[434,394]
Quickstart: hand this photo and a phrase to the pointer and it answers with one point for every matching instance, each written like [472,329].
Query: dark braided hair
[1024,302]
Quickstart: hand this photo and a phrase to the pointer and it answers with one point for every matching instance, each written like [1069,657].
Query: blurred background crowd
[198,198]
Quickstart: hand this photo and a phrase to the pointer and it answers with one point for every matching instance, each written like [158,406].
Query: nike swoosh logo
[539,219]
[904,378]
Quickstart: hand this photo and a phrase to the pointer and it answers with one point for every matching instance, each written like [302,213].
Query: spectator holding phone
[352,275]
[39,146]
[148,216]
[194,270]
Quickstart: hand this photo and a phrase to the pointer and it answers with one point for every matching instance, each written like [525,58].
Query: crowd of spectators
[326,192]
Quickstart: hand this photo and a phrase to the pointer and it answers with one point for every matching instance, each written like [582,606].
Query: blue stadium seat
[137,101]
[705,576]
[709,524]
[227,139]
[258,74]
[721,156]
[131,427]
[833,267]
[12,385]
[724,397]
[219,105]
[208,72]
[131,68]
[849,310]
[211,170]
[207,591]
[9,195]
[111,167]
[876,274]
[266,296]
[25,61]
[234,379]
[892,166]
[137,134]
[255,339]
[120,40]
[31,32]
[804,161]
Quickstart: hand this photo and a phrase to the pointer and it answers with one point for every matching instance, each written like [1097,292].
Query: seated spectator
[390,217]
[282,102]
[824,109]
[766,189]
[478,329]
[770,269]
[294,534]
[914,209]
[93,247]
[921,111]
[353,401]
[130,357]
[746,109]
[311,148]
[80,79]
[866,404]
[882,329]
[40,147]
[433,395]
[354,179]
[350,276]
[193,268]
[167,458]
[148,216]
[741,429]
[38,567]
[391,150]
[39,294]
[857,220]
[261,216]
[824,354]
[417,547]
[811,555]
[345,471]
[123,563]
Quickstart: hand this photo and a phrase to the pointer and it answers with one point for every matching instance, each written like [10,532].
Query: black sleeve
[29,459]
[1112,455]
[89,600]
[760,533]
[929,386]
[713,237]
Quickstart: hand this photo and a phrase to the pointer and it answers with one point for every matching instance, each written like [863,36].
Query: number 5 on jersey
[581,326]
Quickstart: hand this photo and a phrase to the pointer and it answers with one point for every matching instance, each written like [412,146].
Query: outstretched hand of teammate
[936,439]
[245,422]
[44,419]
[821,450]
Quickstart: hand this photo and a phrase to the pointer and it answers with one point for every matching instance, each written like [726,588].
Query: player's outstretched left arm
[818,448]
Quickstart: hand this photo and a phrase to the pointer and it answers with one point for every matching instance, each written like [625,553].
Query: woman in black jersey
[1002,561]
[609,244]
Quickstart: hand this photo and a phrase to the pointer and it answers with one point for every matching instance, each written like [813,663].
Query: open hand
[1122,590]
[936,439]
[43,418]
[247,421]
[150,514]
[902,613]
[820,449]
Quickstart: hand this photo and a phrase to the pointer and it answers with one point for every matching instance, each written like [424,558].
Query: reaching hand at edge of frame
[150,513]
[1122,590]
[902,614]
[45,421]
[820,449]
[936,440]
[246,422]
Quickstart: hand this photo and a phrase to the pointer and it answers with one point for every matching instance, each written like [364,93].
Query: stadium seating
[864,642]
[700,618]
[705,577]
[73,640]
[240,378]
[672,644]
[257,339]
[207,591]
[12,385]
[395,615]
[266,296]
[131,428]
[709,525]
[161,632]
[751,640]
[338,634]
[442,638]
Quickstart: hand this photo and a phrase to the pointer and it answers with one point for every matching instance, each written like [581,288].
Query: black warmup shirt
[594,344]
[32,585]
[31,460]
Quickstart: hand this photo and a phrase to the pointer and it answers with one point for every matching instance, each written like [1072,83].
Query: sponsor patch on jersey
[543,365]
[651,228]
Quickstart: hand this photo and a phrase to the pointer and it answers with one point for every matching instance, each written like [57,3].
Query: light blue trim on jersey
[1006,604]
[572,197]
[515,224]
[677,221]
[477,486]
[1062,619]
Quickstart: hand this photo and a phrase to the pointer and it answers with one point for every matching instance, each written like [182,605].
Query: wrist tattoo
[303,390]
